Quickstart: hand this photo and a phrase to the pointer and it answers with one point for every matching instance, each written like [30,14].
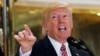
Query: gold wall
[86,25]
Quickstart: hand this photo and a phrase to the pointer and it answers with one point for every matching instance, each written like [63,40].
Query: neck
[59,40]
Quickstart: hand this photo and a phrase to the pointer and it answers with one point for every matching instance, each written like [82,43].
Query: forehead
[56,10]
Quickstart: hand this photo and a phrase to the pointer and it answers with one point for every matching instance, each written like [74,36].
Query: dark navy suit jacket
[44,48]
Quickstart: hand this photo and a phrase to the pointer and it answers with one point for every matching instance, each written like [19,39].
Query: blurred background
[15,13]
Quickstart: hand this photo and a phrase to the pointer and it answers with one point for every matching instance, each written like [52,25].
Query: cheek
[70,23]
[52,26]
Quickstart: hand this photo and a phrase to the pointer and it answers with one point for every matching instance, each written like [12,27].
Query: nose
[61,19]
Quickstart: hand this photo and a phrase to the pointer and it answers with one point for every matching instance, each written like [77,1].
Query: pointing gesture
[26,39]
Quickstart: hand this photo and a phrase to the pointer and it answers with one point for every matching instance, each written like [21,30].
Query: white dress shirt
[25,54]
[56,45]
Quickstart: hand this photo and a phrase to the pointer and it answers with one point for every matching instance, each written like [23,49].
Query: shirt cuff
[25,54]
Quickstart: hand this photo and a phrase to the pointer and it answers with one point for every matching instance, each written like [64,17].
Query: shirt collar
[57,45]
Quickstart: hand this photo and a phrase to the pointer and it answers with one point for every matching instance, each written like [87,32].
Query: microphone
[79,44]
[73,42]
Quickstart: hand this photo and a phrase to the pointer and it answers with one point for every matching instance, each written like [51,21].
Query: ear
[44,26]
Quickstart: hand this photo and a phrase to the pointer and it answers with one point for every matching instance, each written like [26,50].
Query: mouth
[62,28]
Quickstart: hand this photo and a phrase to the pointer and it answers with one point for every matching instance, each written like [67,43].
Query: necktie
[63,50]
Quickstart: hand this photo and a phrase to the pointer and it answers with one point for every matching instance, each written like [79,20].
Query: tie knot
[63,48]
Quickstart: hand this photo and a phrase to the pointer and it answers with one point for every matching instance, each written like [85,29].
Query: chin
[64,37]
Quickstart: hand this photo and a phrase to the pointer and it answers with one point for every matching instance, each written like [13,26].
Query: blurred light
[7,8]
[31,12]
[0,1]
[92,12]
[98,14]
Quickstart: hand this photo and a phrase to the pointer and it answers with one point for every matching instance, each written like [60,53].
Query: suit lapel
[51,52]
[49,48]
[74,51]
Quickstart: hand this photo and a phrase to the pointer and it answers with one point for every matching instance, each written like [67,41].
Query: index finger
[26,27]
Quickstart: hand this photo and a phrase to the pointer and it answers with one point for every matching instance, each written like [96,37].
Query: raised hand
[26,39]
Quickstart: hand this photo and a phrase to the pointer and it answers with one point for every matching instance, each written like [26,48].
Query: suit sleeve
[19,52]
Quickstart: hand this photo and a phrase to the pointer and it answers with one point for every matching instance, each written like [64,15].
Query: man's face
[59,23]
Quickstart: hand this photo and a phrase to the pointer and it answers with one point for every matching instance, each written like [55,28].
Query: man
[58,24]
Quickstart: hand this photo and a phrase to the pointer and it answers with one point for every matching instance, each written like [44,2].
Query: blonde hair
[51,6]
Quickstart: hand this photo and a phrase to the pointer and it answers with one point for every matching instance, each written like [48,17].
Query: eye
[64,16]
[54,16]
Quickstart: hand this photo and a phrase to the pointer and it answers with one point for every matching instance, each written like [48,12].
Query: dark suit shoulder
[38,48]
[43,48]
